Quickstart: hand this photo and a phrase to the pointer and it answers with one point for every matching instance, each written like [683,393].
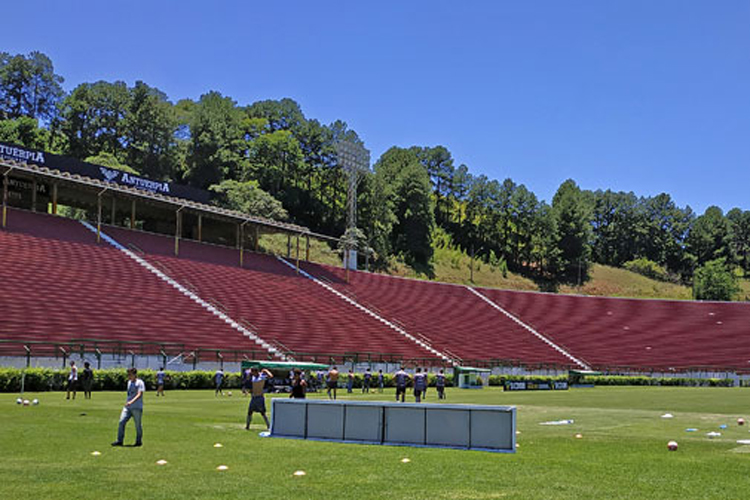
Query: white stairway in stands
[191,295]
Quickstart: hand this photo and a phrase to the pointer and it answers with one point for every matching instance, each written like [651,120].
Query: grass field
[46,451]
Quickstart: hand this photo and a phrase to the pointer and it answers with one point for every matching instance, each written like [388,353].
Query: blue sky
[643,96]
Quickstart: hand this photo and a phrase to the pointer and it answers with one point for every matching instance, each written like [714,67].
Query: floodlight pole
[354,160]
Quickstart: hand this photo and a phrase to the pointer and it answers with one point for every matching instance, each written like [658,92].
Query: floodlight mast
[354,159]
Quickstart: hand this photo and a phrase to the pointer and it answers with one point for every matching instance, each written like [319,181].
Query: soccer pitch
[47,450]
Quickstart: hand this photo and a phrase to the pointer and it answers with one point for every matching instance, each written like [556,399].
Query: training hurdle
[467,427]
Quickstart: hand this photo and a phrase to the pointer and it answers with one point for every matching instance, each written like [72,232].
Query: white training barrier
[469,427]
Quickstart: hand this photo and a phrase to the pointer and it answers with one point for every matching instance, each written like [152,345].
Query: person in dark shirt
[440,384]
[87,380]
[420,382]
[299,386]
[366,381]
[402,378]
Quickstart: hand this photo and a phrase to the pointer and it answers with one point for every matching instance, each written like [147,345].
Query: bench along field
[621,452]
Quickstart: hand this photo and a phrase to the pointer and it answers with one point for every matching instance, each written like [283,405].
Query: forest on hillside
[268,159]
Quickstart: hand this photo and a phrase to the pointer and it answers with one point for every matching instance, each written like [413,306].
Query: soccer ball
[35,402]
[672,446]
[19,401]
[229,394]
[740,421]
[26,402]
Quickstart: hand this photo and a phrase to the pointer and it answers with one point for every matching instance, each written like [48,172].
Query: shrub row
[48,379]
[654,381]
[637,380]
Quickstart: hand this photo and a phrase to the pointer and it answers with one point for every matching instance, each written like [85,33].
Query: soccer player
[402,378]
[133,409]
[72,380]
[333,382]
[160,381]
[87,379]
[420,382]
[350,382]
[299,386]
[366,381]
[381,381]
[440,384]
[257,399]
[218,379]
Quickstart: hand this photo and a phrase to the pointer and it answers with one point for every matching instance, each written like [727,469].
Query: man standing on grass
[381,380]
[87,380]
[160,381]
[440,384]
[420,382]
[133,409]
[218,379]
[333,382]
[350,382]
[257,399]
[72,380]
[366,381]
[402,378]
[299,386]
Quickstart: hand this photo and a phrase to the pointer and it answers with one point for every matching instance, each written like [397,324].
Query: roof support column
[289,246]
[132,214]
[307,248]
[241,228]
[54,198]
[34,187]
[99,215]
[297,253]
[5,198]
[177,231]
[200,228]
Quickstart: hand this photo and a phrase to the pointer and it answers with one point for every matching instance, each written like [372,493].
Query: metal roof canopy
[471,369]
[34,170]
[302,365]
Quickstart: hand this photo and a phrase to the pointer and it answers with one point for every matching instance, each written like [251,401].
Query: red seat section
[660,334]
[450,316]
[57,284]
[280,305]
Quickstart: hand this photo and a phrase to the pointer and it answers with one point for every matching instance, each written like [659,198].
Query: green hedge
[638,380]
[653,381]
[48,379]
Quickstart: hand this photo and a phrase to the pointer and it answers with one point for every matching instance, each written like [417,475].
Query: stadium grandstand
[100,263]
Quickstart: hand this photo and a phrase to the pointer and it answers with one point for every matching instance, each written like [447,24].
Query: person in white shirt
[218,380]
[72,380]
[133,409]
